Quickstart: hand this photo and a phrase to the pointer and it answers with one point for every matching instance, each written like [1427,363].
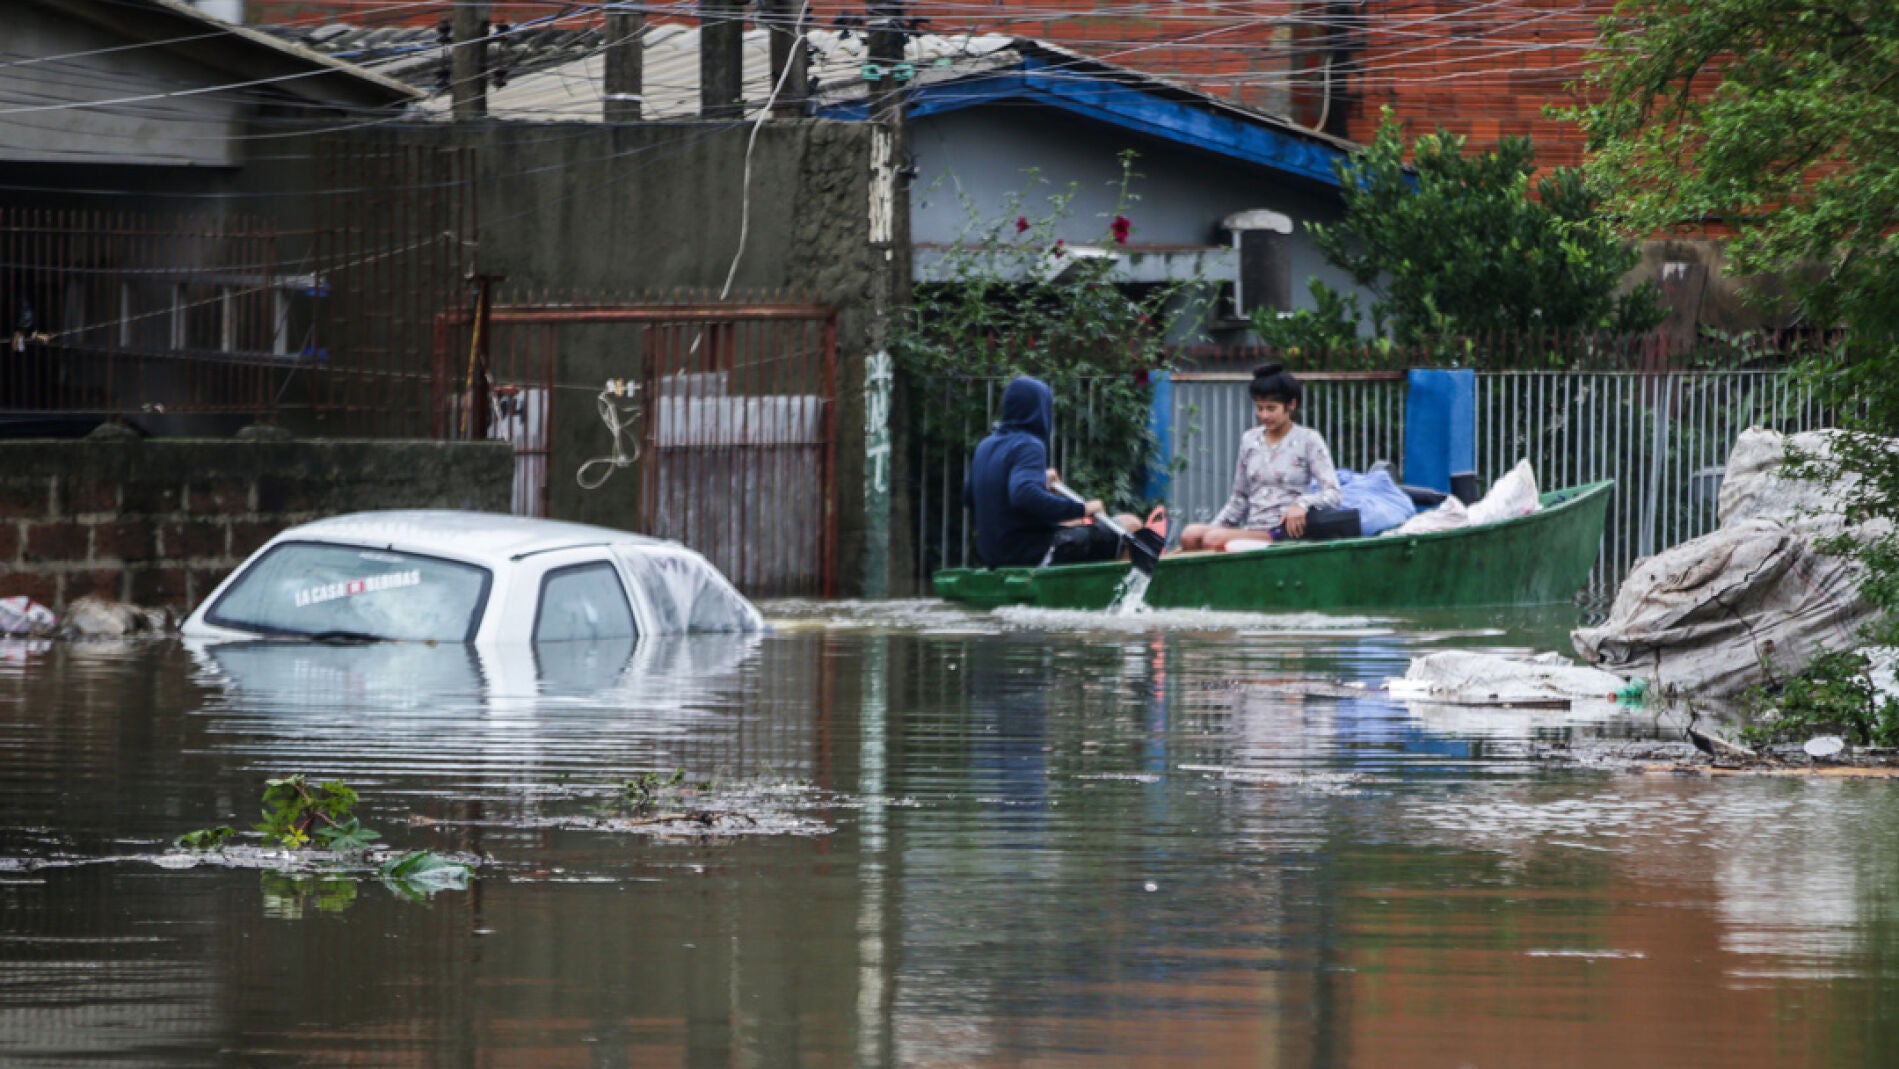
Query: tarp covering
[1380,504]
[1747,604]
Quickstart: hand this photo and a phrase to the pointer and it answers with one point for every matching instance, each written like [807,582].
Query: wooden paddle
[1141,553]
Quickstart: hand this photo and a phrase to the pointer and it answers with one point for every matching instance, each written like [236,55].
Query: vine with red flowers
[1013,298]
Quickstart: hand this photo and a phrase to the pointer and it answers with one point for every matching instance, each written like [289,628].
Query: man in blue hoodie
[1020,522]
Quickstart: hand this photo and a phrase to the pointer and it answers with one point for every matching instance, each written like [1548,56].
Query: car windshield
[322,590]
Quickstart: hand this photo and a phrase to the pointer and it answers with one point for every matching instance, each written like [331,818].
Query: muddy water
[913,836]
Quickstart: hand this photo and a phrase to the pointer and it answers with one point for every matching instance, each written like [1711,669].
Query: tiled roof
[554,74]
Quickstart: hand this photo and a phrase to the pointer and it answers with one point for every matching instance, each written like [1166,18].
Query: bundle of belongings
[1750,602]
[1373,503]
[1511,496]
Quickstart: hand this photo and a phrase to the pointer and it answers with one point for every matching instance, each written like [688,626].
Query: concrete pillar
[626,62]
[721,59]
[890,288]
[468,60]
[790,62]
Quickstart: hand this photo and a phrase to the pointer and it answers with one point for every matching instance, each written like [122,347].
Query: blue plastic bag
[1381,504]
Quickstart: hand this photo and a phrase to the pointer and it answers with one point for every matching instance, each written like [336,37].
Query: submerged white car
[468,577]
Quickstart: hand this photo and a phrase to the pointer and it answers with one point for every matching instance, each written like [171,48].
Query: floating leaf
[420,873]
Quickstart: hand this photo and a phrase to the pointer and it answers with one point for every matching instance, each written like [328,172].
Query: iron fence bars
[1664,437]
[1360,414]
[735,419]
[120,312]
[321,310]
[392,245]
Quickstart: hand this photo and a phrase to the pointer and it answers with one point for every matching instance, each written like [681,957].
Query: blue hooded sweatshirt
[1016,514]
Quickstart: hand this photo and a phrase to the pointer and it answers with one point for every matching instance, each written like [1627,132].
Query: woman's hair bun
[1264,370]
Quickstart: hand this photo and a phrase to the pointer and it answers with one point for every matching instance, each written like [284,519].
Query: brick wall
[161,522]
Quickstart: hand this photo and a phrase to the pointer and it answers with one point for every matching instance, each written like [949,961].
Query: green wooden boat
[1538,559]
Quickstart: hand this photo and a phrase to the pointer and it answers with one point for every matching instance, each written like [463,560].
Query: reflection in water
[1075,845]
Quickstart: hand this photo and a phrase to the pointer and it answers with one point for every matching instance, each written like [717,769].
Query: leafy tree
[1780,120]
[1457,246]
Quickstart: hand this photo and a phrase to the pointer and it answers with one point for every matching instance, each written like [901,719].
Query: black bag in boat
[1325,524]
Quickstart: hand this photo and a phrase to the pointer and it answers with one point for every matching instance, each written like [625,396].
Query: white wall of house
[976,157]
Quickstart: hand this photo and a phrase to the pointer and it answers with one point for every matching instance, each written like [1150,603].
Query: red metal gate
[735,413]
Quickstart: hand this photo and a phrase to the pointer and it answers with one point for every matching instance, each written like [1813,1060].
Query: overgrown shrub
[1833,695]
[1014,298]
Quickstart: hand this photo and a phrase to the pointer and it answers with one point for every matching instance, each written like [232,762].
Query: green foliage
[206,838]
[1780,118]
[297,814]
[1457,247]
[1018,299]
[290,896]
[642,792]
[420,873]
[1833,695]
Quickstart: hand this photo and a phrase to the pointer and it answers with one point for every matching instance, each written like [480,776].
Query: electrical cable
[610,412]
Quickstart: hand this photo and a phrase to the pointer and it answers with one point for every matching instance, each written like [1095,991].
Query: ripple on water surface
[911,833]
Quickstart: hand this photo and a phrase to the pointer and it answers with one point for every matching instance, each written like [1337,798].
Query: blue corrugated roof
[1141,105]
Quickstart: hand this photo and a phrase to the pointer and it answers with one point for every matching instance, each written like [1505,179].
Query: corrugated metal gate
[732,411]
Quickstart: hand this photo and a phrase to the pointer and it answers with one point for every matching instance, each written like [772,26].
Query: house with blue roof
[1223,190]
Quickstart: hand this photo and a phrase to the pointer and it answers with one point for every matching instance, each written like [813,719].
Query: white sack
[1487,677]
[1511,496]
[1447,516]
[24,616]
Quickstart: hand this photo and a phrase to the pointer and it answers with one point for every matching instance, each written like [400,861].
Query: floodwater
[913,835]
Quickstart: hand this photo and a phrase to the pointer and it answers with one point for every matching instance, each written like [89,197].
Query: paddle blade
[1144,549]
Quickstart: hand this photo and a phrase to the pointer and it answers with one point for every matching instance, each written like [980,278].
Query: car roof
[488,537]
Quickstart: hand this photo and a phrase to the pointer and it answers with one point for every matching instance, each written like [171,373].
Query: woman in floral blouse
[1279,462]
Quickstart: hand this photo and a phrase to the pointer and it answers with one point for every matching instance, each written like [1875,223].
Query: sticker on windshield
[348,588]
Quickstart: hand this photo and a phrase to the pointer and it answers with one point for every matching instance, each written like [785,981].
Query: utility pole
[889,73]
[626,63]
[468,59]
[721,59]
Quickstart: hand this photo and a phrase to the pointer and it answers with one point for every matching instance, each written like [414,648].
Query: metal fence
[196,323]
[1662,436]
[1360,414]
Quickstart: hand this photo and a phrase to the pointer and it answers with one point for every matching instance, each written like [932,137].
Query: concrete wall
[623,212]
[161,522]
[652,209]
